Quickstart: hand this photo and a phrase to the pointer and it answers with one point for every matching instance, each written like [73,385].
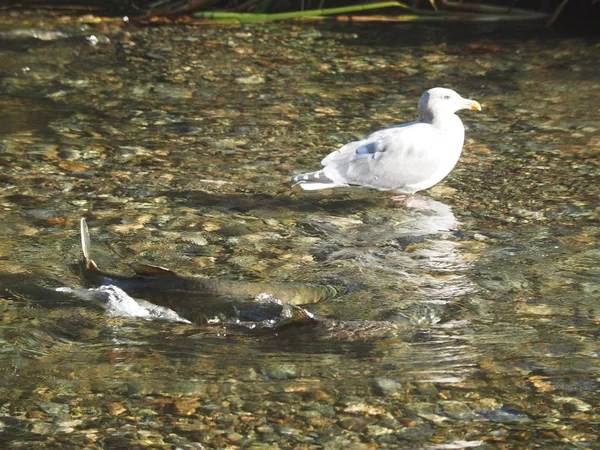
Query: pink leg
[410,201]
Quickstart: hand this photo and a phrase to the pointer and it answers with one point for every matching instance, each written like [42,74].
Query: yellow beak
[472,105]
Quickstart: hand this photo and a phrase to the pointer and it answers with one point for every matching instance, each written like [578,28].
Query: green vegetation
[260,17]
[443,10]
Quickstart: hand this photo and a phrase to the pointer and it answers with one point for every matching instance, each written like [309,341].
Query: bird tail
[313,181]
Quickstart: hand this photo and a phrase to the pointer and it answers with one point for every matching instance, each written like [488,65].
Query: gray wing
[387,159]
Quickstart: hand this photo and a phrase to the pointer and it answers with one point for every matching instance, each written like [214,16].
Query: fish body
[200,298]
[294,320]
[256,308]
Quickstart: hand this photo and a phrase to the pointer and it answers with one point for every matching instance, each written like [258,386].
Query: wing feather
[387,159]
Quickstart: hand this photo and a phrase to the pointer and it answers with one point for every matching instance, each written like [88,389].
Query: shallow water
[175,142]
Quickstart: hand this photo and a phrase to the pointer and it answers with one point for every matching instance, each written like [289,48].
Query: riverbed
[176,143]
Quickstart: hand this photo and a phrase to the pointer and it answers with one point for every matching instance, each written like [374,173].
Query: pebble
[386,386]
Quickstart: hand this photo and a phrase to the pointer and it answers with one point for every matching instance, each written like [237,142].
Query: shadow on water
[437,215]
[246,202]
[21,114]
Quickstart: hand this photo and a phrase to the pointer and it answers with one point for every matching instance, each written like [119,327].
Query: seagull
[405,158]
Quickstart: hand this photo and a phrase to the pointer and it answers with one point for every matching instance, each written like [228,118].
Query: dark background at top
[578,16]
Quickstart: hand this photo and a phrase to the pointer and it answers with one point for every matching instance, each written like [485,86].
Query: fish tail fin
[85,246]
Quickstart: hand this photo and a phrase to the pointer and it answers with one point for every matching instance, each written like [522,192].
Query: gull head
[439,101]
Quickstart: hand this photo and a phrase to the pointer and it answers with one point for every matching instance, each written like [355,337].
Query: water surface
[175,142]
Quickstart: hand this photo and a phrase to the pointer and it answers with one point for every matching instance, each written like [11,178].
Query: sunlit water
[176,143]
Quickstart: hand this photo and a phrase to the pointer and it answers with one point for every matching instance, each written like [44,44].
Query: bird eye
[446,97]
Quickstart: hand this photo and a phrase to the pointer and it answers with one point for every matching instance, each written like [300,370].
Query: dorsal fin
[155,271]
